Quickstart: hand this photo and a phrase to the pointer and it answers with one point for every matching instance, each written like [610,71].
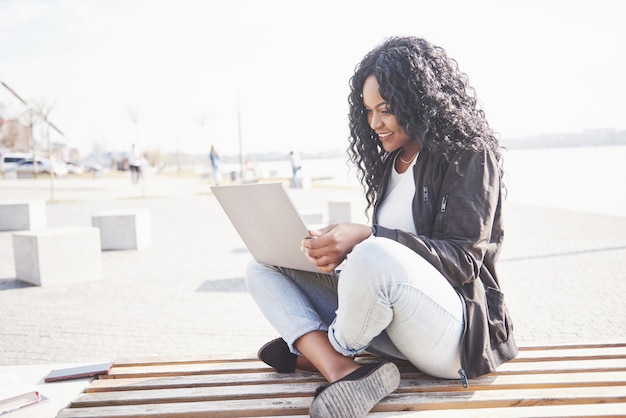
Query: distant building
[14,136]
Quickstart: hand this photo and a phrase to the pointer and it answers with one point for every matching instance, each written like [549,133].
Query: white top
[395,212]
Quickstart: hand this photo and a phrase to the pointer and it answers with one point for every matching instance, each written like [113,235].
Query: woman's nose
[375,121]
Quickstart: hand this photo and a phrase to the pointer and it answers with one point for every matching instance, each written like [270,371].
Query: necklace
[410,160]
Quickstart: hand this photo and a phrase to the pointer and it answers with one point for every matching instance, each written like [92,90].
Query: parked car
[41,166]
[83,166]
[10,160]
[93,166]
[75,167]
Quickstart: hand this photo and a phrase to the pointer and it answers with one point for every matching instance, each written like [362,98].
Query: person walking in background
[134,164]
[214,156]
[296,166]
[420,283]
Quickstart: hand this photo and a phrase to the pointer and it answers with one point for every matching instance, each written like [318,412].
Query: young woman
[419,284]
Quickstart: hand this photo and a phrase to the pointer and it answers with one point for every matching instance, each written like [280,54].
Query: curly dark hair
[429,96]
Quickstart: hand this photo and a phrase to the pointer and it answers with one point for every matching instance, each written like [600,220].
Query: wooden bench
[571,380]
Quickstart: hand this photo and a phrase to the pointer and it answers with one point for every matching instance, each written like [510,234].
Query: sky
[272,75]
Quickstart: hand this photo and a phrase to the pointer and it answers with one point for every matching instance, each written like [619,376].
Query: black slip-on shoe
[355,395]
[277,355]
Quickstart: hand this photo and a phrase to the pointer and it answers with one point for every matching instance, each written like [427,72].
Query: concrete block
[123,229]
[339,212]
[58,255]
[23,216]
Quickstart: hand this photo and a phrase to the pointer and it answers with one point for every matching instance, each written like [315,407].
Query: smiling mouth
[384,136]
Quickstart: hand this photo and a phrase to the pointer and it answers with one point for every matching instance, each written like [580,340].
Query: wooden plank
[145,383]
[524,380]
[169,369]
[418,382]
[556,346]
[212,366]
[544,411]
[564,366]
[502,398]
[133,397]
[573,353]
[239,409]
[143,361]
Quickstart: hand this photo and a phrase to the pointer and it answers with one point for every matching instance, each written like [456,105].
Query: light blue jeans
[387,300]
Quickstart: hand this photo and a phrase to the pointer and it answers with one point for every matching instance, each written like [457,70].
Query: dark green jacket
[457,214]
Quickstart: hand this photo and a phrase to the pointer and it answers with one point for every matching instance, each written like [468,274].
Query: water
[587,179]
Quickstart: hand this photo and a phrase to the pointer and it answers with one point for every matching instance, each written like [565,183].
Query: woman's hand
[329,246]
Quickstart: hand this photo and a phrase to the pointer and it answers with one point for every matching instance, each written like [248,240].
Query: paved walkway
[563,273]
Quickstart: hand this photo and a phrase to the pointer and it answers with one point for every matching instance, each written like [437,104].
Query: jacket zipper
[464,381]
[462,373]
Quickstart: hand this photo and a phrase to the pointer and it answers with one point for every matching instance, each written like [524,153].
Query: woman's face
[391,134]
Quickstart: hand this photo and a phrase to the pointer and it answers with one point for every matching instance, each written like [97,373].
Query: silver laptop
[268,223]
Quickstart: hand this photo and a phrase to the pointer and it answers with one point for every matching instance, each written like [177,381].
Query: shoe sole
[355,398]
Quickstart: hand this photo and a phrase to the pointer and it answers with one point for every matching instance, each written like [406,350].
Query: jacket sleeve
[463,218]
